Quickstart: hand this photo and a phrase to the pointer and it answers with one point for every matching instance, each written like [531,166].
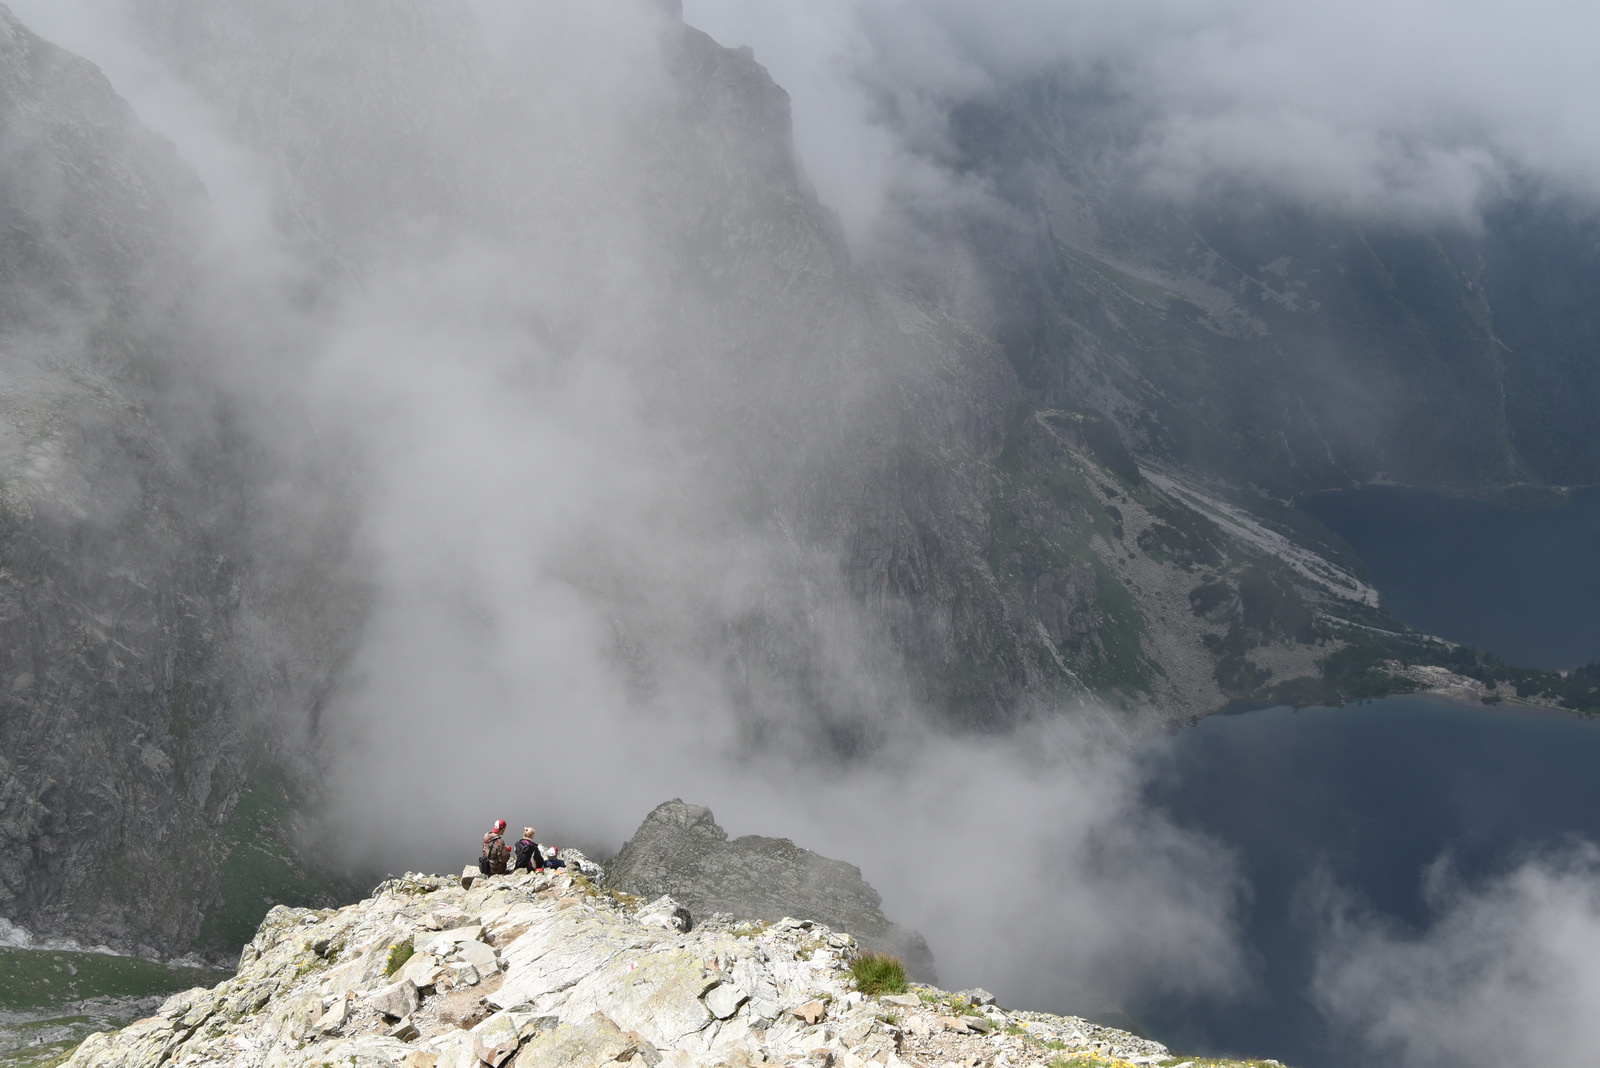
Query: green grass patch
[398,955]
[878,973]
[625,899]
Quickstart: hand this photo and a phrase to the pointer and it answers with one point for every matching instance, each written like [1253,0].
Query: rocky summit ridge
[535,970]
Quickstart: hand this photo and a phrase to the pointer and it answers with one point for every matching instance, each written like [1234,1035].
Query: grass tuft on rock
[398,955]
[879,973]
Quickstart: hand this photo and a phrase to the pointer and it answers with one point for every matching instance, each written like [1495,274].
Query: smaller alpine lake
[1523,582]
[1358,804]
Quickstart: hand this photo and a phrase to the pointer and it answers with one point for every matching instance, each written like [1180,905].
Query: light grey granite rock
[583,983]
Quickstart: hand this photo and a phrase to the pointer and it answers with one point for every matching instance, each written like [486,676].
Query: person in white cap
[492,858]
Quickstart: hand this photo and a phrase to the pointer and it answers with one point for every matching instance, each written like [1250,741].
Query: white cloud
[1418,108]
[1505,973]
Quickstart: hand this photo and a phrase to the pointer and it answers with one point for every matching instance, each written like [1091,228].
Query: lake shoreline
[1517,577]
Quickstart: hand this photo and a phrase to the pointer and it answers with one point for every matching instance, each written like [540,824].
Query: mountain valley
[526,404]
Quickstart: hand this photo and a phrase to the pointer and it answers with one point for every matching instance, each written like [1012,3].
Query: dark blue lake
[1369,795]
[1521,582]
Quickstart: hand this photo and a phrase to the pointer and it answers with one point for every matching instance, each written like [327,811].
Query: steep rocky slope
[123,584]
[841,420]
[545,970]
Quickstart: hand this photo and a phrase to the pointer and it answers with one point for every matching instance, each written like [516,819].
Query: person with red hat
[492,859]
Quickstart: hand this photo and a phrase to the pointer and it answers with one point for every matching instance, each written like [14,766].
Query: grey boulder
[680,850]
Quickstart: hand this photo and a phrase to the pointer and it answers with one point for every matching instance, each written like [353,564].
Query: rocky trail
[536,970]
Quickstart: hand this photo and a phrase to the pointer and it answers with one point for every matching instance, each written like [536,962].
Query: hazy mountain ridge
[155,613]
[1276,345]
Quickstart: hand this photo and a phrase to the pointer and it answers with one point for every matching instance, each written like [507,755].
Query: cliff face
[137,695]
[173,625]
[115,602]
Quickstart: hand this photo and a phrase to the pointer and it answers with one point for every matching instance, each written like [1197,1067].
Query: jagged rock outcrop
[540,971]
[679,850]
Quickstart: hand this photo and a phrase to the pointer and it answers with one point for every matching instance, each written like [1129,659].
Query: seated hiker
[492,858]
[529,858]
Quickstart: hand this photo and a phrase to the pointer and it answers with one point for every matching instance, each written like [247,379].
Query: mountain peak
[546,969]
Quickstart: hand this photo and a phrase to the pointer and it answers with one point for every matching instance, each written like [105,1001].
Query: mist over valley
[893,427]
